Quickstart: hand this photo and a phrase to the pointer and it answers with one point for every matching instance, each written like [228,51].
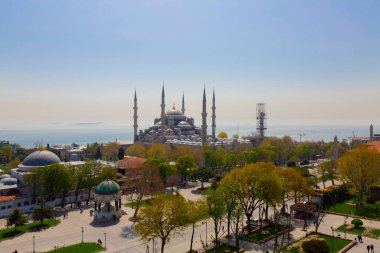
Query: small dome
[174,112]
[41,158]
[8,181]
[4,176]
[107,187]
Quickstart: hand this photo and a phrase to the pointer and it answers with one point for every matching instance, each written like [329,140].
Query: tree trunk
[228,224]
[88,196]
[137,207]
[63,198]
[332,180]
[323,180]
[216,233]
[192,238]
[266,211]
[163,242]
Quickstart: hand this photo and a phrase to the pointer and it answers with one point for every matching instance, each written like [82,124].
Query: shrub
[315,246]
[357,222]
[291,163]
[370,200]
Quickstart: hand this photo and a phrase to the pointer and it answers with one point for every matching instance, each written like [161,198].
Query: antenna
[300,135]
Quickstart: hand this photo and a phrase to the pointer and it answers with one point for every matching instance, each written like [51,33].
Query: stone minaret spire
[213,117]
[371,132]
[335,149]
[204,117]
[135,117]
[163,113]
[183,103]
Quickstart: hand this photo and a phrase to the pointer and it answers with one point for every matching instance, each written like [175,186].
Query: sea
[124,134]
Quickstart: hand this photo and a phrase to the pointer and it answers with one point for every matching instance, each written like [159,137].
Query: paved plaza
[120,237]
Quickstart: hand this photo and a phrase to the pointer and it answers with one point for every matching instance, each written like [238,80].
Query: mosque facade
[175,127]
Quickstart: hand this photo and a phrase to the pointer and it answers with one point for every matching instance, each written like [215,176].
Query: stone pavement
[120,237]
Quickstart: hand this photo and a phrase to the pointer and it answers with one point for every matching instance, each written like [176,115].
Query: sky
[63,63]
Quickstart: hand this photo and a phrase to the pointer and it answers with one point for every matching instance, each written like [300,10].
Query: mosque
[174,127]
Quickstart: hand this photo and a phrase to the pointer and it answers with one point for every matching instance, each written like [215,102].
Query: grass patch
[339,243]
[348,207]
[266,231]
[8,233]
[141,203]
[221,249]
[359,231]
[86,247]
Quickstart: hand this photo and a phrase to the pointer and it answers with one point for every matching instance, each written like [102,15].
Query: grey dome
[41,158]
[8,181]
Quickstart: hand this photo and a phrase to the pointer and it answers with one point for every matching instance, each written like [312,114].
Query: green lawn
[134,203]
[86,247]
[348,207]
[266,232]
[221,249]
[338,243]
[8,233]
[358,231]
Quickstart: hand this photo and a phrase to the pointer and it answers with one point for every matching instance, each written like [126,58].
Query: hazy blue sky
[311,62]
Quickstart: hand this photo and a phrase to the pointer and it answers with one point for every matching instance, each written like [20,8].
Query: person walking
[372,248]
[368,248]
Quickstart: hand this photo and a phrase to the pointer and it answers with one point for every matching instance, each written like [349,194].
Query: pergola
[107,192]
[304,209]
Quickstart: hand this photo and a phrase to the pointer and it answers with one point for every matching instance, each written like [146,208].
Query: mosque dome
[107,187]
[184,125]
[8,181]
[174,112]
[41,158]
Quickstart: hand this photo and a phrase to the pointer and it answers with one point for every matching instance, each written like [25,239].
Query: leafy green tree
[212,159]
[107,173]
[90,171]
[216,209]
[361,168]
[202,174]
[16,218]
[137,150]
[222,135]
[163,218]
[8,153]
[35,183]
[185,164]
[42,212]
[98,154]
[195,211]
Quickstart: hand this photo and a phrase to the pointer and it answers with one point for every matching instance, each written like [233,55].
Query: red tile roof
[375,145]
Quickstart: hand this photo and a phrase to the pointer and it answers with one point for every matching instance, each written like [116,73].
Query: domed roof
[174,112]
[8,181]
[107,187]
[41,158]
[184,125]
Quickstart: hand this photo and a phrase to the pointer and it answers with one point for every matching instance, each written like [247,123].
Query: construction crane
[300,135]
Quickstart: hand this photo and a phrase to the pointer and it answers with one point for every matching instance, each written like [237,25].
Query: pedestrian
[368,248]
[372,248]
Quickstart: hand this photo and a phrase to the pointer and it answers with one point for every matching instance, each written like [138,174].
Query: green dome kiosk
[106,193]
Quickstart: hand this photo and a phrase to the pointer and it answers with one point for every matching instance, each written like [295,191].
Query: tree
[216,209]
[111,150]
[163,218]
[212,159]
[156,150]
[184,165]
[90,170]
[144,181]
[222,135]
[323,170]
[137,150]
[98,154]
[42,212]
[202,174]
[121,153]
[34,182]
[361,168]
[231,202]
[318,245]
[8,153]
[16,218]
[195,211]
[107,173]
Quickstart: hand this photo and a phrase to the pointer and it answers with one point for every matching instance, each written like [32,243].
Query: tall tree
[137,150]
[121,153]
[163,218]
[216,209]
[185,164]
[361,168]
[90,170]
[195,210]
[42,212]
[98,154]
[107,173]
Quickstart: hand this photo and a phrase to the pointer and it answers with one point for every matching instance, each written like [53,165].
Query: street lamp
[332,240]
[82,235]
[206,232]
[34,244]
[105,241]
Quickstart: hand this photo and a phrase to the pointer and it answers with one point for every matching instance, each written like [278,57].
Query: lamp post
[105,241]
[34,244]
[206,232]
[82,235]
[332,240]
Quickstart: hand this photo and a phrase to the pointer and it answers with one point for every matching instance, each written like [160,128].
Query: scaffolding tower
[261,118]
